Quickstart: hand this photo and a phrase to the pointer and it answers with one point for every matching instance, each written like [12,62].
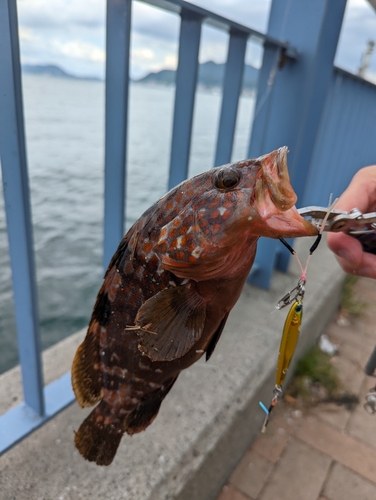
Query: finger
[351,257]
[347,248]
[366,271]
[361,192]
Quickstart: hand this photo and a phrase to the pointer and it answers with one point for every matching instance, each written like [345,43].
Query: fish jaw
[274,200]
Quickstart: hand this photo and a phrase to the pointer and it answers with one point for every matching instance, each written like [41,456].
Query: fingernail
[346,255]
[368,272]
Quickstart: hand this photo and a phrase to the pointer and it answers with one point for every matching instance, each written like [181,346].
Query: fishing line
[269,85]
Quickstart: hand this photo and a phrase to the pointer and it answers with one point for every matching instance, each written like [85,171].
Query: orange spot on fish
[163,248]
[173,233]
[147,248]
[180,255]
[214,203]
[189,220]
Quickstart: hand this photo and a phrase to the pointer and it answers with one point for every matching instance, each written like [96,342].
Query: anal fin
[146,411]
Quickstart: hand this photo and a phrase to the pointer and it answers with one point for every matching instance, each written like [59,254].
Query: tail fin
[98,440]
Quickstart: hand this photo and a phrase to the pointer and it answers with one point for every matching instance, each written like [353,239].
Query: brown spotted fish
[169,289]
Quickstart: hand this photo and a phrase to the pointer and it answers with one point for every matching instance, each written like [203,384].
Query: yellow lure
[289,340]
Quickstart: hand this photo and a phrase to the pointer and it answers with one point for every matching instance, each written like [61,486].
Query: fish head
[226,211]
[270,200]
[252,198]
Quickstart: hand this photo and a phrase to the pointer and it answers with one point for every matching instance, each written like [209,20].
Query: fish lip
[275,198]
[290,224]
[275,174]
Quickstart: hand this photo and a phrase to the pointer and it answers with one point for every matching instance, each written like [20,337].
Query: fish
[169,289]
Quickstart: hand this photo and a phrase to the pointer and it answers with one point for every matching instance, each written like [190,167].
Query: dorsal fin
[86,375]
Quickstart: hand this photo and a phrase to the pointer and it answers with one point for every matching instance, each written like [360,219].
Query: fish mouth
[275,199]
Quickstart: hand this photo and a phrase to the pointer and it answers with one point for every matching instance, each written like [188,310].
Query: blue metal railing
[344,141]
[42,403]
[296,97]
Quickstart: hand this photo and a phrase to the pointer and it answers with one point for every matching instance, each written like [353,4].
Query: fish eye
[226,178]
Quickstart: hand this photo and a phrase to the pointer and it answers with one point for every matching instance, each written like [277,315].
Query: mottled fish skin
[168,291]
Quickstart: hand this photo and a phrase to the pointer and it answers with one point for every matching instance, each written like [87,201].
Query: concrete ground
[321,453]
[206,423]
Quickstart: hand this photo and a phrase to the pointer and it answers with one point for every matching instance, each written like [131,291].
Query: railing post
[117,84]
[17,207]
[290,108]
[231,91]
[186,81]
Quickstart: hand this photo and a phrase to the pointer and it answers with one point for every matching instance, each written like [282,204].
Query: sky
[71,34]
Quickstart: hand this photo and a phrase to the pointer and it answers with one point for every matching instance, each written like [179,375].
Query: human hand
[360,194]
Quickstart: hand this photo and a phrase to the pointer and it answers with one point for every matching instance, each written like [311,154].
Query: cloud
[71,33]
[61,13]
[359,26]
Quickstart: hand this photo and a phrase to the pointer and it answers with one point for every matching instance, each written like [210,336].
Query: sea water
[65,145]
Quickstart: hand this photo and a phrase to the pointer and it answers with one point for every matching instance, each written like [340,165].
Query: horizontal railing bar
[21,421]
[354,76]
[222,23]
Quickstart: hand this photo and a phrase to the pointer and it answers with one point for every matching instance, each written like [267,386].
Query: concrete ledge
[205,424]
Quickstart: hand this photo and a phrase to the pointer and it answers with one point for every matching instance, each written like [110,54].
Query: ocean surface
[65,144]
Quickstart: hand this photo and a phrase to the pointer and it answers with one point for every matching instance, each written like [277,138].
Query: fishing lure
[291,329]
[287,347]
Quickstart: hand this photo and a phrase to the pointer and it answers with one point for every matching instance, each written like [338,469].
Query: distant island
[53,70]
[210,74]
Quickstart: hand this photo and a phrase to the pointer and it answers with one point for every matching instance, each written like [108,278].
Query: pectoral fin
[170,323]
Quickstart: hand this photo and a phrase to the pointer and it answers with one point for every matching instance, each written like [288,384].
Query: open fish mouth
[275,199]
